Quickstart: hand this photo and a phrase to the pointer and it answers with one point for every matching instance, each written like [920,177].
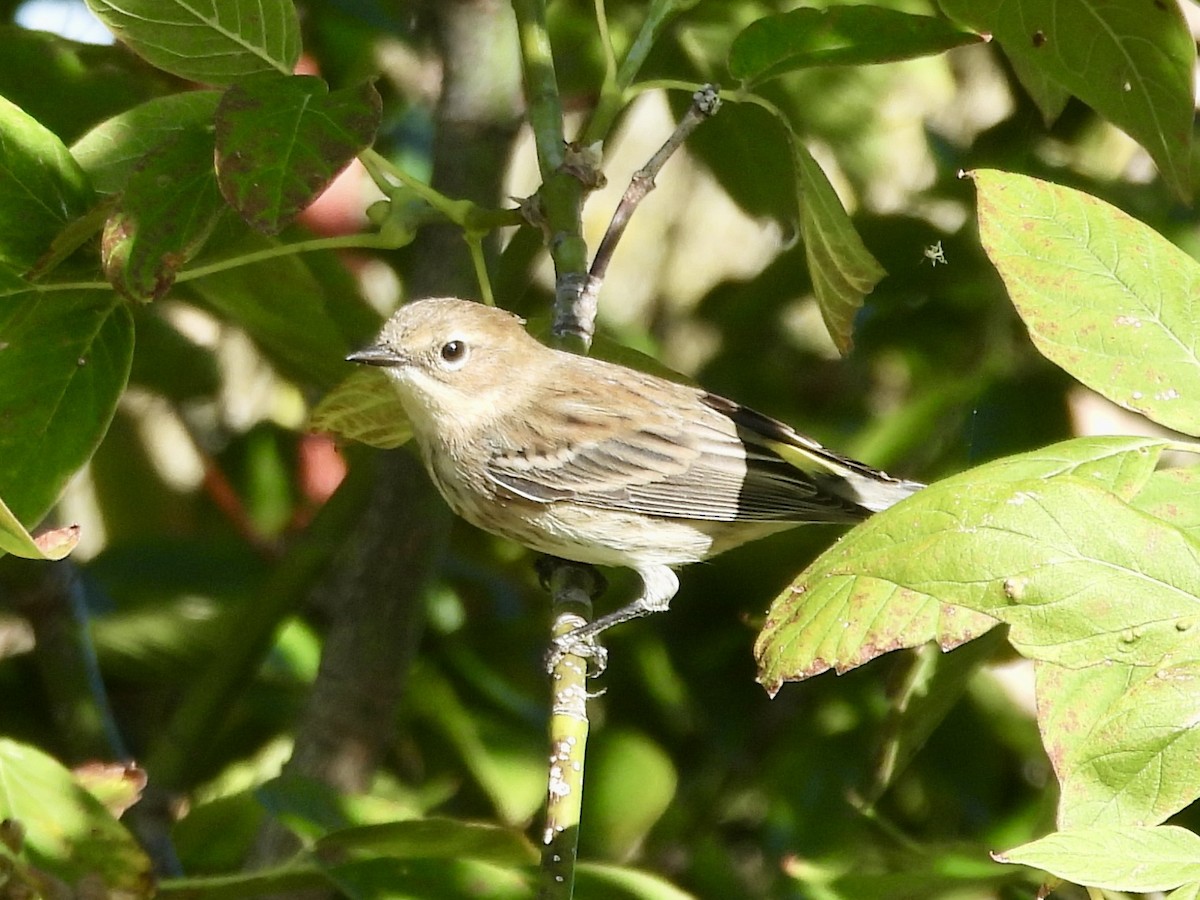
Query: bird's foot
[583,645]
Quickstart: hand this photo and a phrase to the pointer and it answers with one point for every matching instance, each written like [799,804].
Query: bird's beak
[376,355]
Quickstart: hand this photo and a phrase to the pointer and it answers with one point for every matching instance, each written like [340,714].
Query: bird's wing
[702,457]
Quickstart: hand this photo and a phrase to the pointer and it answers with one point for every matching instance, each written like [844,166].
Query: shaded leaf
[165,215]
[838,36]
[933,683]
[431,839]
[112,150]
[64,361]
[1120,741]
[1103,296]
[76,233]
[1131,62]
[67,831]
[744,135]
[1048,95]
[857,600]
[289,876]
[1127,858]
[41,187]
[604,881]
[210,41]
[282,140]
[843,271]
[429,879]
[68,86]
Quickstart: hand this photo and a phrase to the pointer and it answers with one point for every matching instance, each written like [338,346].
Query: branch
[572,586]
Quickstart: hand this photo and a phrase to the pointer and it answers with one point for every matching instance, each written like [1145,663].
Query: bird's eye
[454,353]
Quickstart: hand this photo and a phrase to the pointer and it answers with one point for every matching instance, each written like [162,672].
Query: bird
[595,462]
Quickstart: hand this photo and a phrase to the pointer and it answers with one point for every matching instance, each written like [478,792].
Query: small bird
[598,463]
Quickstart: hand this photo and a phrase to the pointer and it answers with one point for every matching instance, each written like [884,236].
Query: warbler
[595,462]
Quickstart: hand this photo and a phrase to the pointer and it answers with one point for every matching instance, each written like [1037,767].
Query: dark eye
[454,352]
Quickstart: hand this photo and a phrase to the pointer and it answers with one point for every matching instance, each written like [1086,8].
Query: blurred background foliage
[207,480]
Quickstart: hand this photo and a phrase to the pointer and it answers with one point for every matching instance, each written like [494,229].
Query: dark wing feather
[698,457]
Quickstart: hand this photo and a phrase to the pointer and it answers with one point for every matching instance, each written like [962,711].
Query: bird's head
[451,360]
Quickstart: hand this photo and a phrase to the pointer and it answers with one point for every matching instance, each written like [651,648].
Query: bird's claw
[583,646]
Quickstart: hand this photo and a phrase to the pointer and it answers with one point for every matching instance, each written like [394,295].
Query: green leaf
[68,832]
[1120,740]
[429,879]
[41,187]
[1048,95]
[1103,296]
[64,362]
[112,150]
[845,610]
[1173,495]
[53,544]
[601,881]
[838,36]
[932,684]
[431,839]
[745,136]
[1186,892]
[1128,858]
[843,271]
[289,876]
[282,140]
[164,217]
[210,41]
[1130,62]
[364,407]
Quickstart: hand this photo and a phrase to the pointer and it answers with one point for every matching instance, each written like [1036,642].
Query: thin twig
[705,103]
[572,586]
[577,296]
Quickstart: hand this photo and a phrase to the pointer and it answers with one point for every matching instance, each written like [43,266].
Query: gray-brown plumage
[598,463]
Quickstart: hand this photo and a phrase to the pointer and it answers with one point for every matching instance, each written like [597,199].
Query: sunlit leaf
[111,151]
[67,831]
[41,187]
[1174,496]
[1103,296]
[1120,742]
[1128,858]
[1131,62]
[53,544]
[864,597]
[364,407]
[210,41]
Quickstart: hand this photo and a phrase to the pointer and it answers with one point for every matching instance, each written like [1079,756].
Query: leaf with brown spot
[164,217]
[281,140]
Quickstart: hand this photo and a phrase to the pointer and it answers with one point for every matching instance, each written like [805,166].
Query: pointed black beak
[375,355]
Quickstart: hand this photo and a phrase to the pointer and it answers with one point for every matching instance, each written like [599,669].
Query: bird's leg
[659,584]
